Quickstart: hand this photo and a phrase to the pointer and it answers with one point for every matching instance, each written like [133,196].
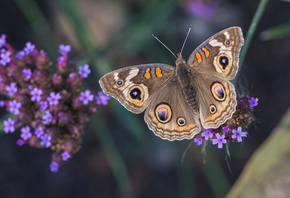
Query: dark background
[112,34]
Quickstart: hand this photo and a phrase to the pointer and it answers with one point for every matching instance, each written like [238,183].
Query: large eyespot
[163,112]
[135,94]
[212,109]
[181,121]
[218,91]
[224,61]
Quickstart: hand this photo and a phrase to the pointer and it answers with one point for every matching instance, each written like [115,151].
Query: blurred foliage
[278,32]
[267,173]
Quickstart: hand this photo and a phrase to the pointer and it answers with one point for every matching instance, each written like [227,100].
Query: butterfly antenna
[164,45]
[189,29]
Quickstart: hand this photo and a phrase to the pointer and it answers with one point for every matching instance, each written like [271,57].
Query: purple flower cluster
[203,9]
[50,109]
[232,130]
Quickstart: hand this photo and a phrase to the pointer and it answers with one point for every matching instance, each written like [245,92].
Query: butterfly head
[180,60]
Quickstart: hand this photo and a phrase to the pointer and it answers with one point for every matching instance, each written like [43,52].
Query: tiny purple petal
[9,125]
[47,117]
[226,129]
[25,133]
[20,55]
[84,71]
[28,48]
[36,94]
[86,97]
[26,73]
[19,142]
[220,140]
[207,134]
[60,60]
[102,99]
[11,89]
[65,156]
[39,131]
[2,103]
[64,49]
[53,98]
[198,141]
[45,140]
[2,40]
[14,107]
[43,105]
[53,167]
[238,134]
[5,58]
[253,102]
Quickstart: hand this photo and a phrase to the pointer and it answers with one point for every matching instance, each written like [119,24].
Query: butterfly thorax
[186,78]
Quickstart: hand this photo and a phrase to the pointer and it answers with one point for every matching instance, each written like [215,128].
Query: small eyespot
[228,42]
[212,109]
[224,61]
[181,121]
[120,82]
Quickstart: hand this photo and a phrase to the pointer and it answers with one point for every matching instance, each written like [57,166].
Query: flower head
[39,131]
[11,89]
[28,48]
[26,73]
[14,107]
[45,140]
[198,141]
[9,125]
[226,129]
[86,97]
[25,133]
[53,98]
[53,166]
[65,156]
[43,105]
[220,140]
[20,54]
[238,134]
[253,102]
[47,117]
[64,49]
[207,134]
[84,71]
[102,99]
[36,94]
[203,9]
[5,58]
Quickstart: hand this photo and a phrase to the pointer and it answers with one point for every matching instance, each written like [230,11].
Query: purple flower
[45,140]
[86,97]
[25,133]
[207,134]
[238,134]
[53,167]
[36,94]
[11,89]
[203,9]
[220,140]
[14,107]
[19,142]
[47,117]
[2,103]
[60,60]
[28,48]
[253,102]
[26,73]
[84,71]
[64,49]
[5,58]
[226,129]
[198,141]
[43,105]
[9,125]
[2,40]
[65,156]
[39,131]
[102,99]
[20,55]
[53,98]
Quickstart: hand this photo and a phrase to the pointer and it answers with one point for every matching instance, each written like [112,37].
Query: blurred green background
[120,156]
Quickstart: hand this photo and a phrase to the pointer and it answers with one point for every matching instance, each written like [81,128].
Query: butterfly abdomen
[191,98]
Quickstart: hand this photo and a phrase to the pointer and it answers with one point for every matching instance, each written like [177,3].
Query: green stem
[251,31]
[111,151]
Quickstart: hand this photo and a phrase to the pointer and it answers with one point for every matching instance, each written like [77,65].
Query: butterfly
[180,101]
